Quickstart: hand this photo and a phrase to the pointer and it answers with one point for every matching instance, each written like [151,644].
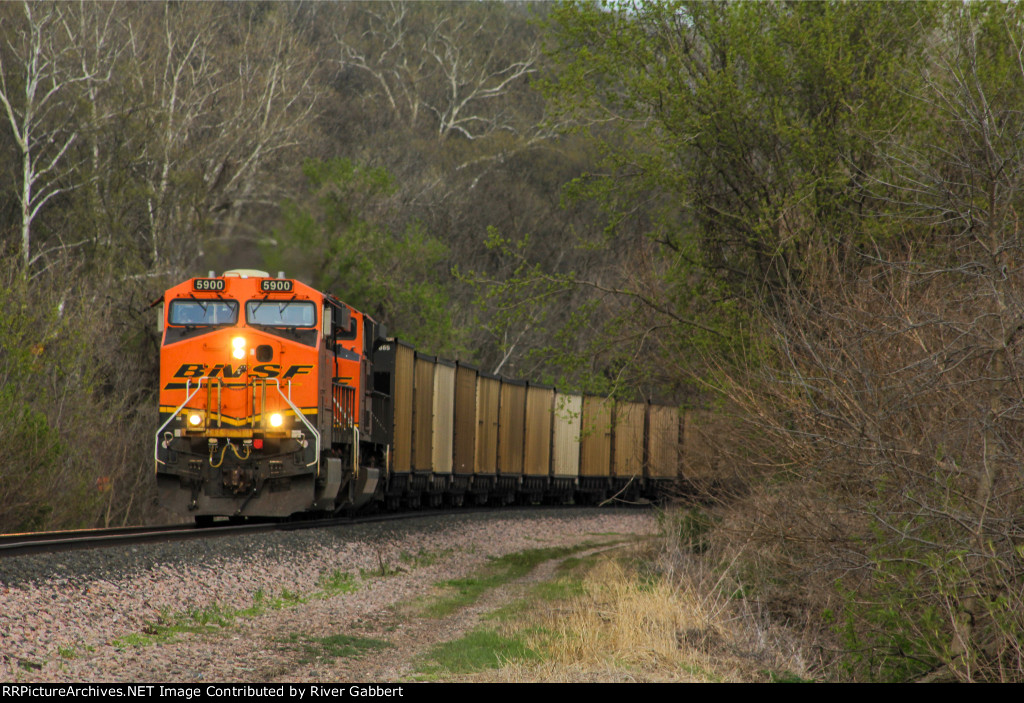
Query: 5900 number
[275,285]
[213,284]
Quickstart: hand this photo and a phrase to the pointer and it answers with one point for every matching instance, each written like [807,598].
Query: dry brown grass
[661,626]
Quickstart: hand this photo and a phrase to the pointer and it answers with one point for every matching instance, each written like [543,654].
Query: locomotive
[277,399]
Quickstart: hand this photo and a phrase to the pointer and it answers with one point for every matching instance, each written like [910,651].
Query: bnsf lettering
[228,371]
[190,371]
[197,370]
[266,370]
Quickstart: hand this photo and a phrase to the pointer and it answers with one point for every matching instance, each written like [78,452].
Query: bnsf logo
[229,371]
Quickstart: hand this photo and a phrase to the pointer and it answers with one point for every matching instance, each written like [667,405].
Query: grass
[336,583]
[73,651]
[214,618]
[463,592]
[603,617]
[614,615]
[483,648]
[407,562]
[167,626]
[424,557]
[503,644]
[334,647]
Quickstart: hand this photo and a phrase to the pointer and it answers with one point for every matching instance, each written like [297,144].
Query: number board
[208,284]
[275,285]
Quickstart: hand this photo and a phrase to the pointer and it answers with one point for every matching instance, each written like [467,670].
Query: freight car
[277,399]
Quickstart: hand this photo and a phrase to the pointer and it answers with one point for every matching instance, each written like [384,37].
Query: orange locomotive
[278,399]
[265,399]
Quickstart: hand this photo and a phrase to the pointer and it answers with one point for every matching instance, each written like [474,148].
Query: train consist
[277,399]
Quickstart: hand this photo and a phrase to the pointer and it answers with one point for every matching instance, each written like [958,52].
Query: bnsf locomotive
[277,399]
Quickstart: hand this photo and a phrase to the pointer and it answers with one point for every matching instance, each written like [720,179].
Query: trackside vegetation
[798,222]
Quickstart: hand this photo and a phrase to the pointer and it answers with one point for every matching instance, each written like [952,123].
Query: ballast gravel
[85,616]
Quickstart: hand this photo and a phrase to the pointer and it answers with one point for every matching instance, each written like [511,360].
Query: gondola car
[277,399]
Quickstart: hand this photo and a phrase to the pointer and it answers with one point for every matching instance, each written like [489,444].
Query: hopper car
[277,399]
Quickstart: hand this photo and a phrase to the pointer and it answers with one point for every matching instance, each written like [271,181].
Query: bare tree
[227,90]
[451,69]
[37,77]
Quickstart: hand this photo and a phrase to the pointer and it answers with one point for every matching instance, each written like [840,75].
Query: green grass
[335,583]
[568,583]
[407,562]
[73,651]
[466,591]
[424,558]
[285,599]
[481,649]
[490,647]
[511,612]
[167,626]
[335,647]
[215,617]
[559,589]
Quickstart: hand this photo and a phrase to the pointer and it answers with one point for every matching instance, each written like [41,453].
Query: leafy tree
[396,277]
[832,190]
[740,148]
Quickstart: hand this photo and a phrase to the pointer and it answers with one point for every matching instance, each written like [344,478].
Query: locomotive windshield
[275,313]
[203,312]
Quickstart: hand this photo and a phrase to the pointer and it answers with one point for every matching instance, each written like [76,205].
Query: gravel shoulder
[95,616]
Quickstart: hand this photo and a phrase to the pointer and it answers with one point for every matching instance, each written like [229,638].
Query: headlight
[276,420]
[195,419]
[239,347]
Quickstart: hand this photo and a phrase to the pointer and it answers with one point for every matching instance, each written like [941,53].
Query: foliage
[746,129]
[739,144]
[840,183]
[54,402]
[395,277]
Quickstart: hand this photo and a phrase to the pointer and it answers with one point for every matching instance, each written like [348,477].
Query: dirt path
[413,635]
[304,635]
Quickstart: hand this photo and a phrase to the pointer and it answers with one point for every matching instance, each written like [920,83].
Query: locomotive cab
[260,399]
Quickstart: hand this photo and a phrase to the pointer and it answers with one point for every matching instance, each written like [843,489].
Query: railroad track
[53,542]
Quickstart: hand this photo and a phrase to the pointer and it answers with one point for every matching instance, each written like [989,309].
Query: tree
[36,77]
[229,93]
[847,177]
[739,143]
[396,277]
